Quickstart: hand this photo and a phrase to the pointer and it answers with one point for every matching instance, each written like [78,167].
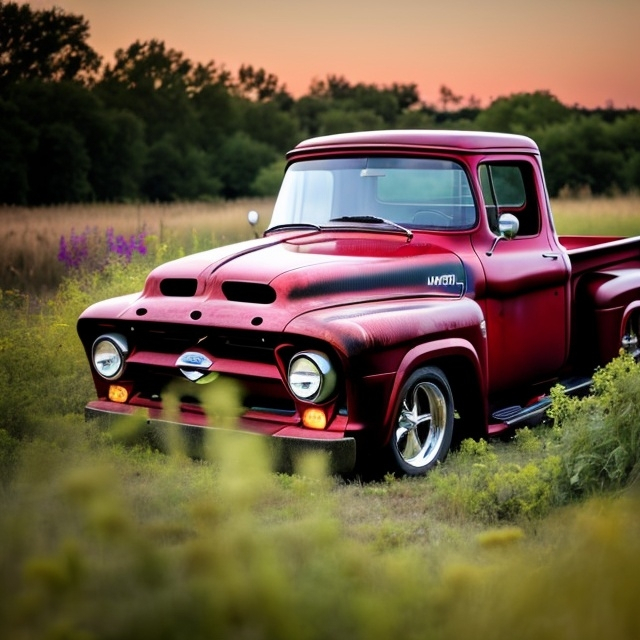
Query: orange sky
[585,52]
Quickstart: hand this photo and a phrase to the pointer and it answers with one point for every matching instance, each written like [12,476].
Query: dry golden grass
[30,238]
[619,216]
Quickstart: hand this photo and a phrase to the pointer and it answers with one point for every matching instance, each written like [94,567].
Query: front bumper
[286,444]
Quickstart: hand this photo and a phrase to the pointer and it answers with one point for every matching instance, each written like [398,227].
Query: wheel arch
[607,300]
[459,361]
[630,322]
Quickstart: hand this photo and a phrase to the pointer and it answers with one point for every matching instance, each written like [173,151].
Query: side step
[533,413]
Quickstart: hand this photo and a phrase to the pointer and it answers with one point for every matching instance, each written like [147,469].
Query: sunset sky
[585,52]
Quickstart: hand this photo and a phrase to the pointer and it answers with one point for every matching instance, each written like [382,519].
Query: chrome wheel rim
[421,425]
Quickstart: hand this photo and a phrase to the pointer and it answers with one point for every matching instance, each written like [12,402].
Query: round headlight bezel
[109,347]
[314,369]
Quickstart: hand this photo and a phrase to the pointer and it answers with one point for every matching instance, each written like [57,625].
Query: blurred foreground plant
[101,541]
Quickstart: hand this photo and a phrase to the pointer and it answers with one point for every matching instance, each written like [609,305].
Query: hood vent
[248,292]
[179,287]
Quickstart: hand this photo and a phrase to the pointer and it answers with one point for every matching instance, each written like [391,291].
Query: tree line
[155,126]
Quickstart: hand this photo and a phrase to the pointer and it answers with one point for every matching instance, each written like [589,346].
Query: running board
[535,412]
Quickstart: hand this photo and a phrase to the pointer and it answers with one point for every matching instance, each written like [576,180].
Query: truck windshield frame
[417,193]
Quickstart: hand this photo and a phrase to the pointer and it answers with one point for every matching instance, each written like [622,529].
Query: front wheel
[423,425]
[630,341]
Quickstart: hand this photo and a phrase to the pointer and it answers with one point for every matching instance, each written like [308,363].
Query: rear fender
[631,325]
[614,296]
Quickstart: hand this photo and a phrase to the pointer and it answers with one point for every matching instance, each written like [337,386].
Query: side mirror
[508,225]
[252,219]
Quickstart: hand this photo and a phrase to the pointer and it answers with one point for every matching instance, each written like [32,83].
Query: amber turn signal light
[118,393]
[314,419]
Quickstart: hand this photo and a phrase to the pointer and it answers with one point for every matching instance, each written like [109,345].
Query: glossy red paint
[400,313]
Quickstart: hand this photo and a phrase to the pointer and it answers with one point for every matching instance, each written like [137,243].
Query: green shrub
[482,485]
[43,367]
[600,434]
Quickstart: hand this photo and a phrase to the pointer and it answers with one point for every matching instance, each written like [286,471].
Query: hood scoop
[179,287]
[253,292]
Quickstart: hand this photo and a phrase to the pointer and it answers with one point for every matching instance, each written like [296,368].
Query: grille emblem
[193,360]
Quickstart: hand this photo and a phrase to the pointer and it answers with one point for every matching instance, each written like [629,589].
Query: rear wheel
[630,342]
[423,425]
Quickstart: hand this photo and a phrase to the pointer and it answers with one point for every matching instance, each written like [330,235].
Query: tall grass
[30,238]
[101,541]
[534,538]
[619,216]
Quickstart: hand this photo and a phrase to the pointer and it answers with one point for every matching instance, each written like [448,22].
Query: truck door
[527,279]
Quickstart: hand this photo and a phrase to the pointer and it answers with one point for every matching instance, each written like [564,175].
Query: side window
[509,187]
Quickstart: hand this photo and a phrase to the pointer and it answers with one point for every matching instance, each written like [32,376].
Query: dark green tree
[239,161]
[626,135]
[307,110]
[113,141]
[18,141]
[155,83]
[59,172]
[257,84]
[118,157]
[335,93]
[340,120]
[265,122]
[178,171]
[581,155]
[48,44]
[217,114]
[448,98]
[407,95]
[268,181]
[523,113]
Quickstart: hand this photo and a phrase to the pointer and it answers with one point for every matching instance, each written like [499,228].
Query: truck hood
[266,283]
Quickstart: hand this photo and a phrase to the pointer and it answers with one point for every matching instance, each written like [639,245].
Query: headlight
[311,376]
[109,352]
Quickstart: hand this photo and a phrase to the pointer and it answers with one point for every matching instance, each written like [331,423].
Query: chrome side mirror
[252,219]
[508,225]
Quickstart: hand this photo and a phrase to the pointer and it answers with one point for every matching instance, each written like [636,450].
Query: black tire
[423,424]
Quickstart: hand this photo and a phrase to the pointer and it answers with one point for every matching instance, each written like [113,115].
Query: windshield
[418,193]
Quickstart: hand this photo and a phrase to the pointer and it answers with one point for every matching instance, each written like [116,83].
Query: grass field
[597,216]
[535,537]
[30,238]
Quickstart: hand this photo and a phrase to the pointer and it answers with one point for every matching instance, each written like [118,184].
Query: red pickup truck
[410,289]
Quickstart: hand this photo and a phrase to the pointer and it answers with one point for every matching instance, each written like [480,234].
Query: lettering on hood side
[448,278]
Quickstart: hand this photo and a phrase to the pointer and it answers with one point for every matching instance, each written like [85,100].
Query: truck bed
[590,253]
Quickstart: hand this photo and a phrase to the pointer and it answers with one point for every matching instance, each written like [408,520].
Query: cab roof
[419,139]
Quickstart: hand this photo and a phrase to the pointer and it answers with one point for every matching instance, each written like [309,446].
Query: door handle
[551,256]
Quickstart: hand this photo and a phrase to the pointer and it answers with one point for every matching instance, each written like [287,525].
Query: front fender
[356,329]
[444,353]
[383,343]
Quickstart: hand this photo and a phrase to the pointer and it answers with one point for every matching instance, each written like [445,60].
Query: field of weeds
[104,536]
[31,238]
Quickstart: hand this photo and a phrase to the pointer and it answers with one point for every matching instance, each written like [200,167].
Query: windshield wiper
[293,225]
[375,220]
